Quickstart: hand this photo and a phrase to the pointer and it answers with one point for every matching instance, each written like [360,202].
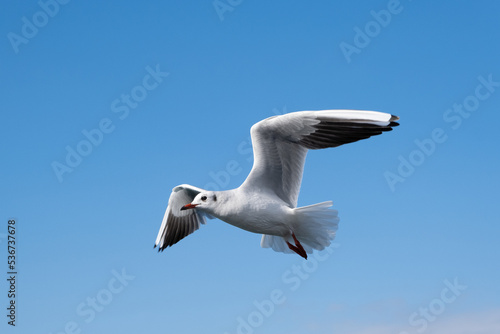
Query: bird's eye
[203,198]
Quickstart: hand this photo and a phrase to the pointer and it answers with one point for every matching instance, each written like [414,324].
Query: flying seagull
[266,203]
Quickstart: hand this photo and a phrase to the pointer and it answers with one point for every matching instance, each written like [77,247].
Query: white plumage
[266,202]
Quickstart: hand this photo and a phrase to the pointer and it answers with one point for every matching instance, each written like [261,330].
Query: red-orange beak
[189,206]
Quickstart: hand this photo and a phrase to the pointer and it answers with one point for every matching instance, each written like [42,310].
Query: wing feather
[280,144]
[178,224]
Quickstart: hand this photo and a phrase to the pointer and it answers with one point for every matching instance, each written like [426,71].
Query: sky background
[417,249]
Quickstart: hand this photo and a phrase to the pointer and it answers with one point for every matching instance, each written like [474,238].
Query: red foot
[297,248]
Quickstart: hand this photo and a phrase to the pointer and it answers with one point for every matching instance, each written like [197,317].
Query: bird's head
[206,201]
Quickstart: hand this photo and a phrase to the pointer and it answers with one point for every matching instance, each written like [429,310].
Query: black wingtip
[394,118]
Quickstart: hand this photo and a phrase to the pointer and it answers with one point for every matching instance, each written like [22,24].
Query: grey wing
[280,144]
[178,224]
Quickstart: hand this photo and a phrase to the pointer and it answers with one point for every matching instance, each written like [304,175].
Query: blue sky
[158,94]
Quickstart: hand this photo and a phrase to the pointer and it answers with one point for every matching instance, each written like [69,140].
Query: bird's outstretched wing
[280,144]
[178,224]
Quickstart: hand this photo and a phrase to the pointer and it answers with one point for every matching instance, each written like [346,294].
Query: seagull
[266,202]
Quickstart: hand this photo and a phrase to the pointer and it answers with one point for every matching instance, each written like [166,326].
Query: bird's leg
[298,247]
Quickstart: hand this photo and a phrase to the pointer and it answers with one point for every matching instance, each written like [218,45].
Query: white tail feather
[315,228]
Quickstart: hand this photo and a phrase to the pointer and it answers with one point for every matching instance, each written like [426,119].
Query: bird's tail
[315,228]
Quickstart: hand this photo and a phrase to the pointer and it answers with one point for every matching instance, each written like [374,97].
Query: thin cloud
[487,322]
